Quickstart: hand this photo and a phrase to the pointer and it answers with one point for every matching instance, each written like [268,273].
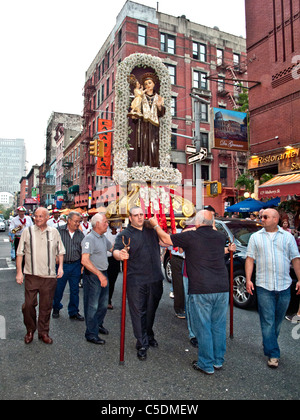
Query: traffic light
[94,147]
[97,148]
[213,189]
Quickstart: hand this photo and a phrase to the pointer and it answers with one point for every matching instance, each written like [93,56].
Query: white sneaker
[273,363]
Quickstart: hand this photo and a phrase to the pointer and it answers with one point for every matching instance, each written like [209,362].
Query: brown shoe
[28,337]
[45,338]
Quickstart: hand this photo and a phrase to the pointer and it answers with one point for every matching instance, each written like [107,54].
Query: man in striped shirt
[41,245]
[71,237]
[272,249]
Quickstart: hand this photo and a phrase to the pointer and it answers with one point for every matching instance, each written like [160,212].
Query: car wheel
[168,269]
[241,298]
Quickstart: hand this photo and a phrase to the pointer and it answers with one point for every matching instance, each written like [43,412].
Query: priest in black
[144,278]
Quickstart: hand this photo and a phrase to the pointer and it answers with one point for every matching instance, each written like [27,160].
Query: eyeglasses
[265,217]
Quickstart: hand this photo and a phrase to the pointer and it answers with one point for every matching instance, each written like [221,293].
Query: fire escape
[86,166]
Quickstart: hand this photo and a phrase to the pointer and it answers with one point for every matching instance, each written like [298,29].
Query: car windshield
[242,231]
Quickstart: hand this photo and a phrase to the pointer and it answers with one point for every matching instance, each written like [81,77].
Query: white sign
[198,157]
[190,150]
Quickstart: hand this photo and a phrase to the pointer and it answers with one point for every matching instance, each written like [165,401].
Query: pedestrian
[113,270]
[18,224]
[144,278]
[208,287]
[95,285]
[41,245]
[272,249]
[71,237]
[85,224]
[12,246]
[55,220]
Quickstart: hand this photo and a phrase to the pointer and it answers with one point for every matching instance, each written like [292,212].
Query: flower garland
[122,174]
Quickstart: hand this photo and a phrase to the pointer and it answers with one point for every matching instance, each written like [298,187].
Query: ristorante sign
[286,161]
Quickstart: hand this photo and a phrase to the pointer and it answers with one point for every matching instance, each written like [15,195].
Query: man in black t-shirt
[144,278]
[208,287]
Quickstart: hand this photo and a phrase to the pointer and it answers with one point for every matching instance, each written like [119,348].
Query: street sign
[197,157]
[190,150]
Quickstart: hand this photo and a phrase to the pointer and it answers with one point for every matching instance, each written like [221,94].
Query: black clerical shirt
[144,265]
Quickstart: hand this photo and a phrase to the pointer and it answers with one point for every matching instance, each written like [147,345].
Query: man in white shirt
[85,225]
[55,221]
[273,250]
[18,224]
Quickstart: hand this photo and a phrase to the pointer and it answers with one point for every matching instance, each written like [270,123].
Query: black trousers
[112,273]
[143,301]
[177,280]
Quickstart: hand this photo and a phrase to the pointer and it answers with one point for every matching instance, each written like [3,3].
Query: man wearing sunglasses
[272,249]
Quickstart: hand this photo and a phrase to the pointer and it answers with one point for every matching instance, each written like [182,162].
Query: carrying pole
[123,315]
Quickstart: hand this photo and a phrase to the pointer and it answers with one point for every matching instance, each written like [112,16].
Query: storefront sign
[286,161]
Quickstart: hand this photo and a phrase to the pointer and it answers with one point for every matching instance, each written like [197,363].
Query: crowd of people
[50,254]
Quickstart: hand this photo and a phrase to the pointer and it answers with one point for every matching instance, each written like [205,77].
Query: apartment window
[199,51]
[167,43]
[220,57]
[120,38]
[223,176]
[172,73]
[173,106]
[173,139]
[204,140]
[107,87]
[199,80]
[204,112]
[236,59]
[205,172]
[142,35]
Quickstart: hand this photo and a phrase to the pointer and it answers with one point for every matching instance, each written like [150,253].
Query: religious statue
[147,108]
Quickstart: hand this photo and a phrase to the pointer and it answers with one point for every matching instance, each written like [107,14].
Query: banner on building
[230,130]
[104,162]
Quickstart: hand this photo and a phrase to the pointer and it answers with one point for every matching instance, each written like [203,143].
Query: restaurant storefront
[285,165]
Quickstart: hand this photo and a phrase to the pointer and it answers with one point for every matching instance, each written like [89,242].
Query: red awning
[280,186]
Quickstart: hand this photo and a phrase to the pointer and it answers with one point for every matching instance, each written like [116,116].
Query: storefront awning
[280,186]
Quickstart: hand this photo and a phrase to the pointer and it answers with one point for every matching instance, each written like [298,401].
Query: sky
[47,46]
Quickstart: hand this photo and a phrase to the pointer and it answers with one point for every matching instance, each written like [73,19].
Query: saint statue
[146,110]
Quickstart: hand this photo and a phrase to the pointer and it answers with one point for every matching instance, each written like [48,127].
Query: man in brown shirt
[40,244]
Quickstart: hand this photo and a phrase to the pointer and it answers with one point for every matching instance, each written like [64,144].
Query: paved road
[74,369]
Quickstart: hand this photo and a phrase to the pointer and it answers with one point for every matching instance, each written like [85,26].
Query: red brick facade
[273,46]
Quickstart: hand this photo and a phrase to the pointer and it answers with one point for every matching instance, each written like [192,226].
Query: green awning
[58,193]
[74,189]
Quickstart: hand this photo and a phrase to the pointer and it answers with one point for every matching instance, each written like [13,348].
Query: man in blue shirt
[272,249]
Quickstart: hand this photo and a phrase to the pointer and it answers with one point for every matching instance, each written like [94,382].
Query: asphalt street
[73,369]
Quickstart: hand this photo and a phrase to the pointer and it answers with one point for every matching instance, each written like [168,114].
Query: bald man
[273,250]
[41,245]
[208,294]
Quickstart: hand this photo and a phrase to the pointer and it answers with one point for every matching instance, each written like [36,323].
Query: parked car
[2,225]
[239,230]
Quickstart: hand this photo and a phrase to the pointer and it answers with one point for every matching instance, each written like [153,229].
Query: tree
[245,181]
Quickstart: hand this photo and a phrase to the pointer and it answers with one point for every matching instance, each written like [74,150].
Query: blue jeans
[95,301]
[272,307]
[72,273]
[208,316]
[187,312]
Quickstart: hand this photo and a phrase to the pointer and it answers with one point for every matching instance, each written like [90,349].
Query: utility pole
[197,142]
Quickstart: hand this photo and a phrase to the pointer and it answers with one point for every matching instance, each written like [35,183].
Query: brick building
[273,47]
[201,60]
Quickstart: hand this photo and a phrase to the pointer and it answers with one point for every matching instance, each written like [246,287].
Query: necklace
[150,100]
